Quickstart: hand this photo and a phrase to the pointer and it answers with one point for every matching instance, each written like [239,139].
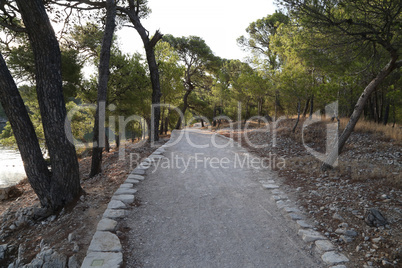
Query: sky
[218,22]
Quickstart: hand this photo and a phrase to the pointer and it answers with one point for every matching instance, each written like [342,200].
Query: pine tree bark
[149,45]
[311,107]
[99,126]
[306,108]
[34,164]
[298,116]
[64,182]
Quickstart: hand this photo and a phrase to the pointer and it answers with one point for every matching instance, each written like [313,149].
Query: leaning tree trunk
[330,160]
[24,133]
[99,126]
[65,181]
[298,116]
[306,108]
[311,107]
[149,45]
[185,106]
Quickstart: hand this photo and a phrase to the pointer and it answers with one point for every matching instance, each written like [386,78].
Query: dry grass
[385,132]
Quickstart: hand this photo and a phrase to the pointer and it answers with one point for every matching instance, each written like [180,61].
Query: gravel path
[200,208]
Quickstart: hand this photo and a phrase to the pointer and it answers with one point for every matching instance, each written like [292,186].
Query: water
[11,167]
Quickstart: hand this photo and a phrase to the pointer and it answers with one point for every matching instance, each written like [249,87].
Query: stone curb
[322,245]
[105,249]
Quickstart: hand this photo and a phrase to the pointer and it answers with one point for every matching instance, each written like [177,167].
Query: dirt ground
[71,231]
[368,176]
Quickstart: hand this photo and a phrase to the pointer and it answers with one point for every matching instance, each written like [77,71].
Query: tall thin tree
[104,60]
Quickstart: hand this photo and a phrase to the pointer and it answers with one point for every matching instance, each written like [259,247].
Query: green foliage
[29,96]
[259,40]
[198,65]
[87,39]
[82,120]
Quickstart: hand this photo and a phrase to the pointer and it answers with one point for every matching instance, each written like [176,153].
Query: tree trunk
[167,122]
[65,181]
[35,166]
[311,107]
[386,112]
[107,144]
[149,46]
[392,65]
[246,114]
[298,116]
[276,106]
[161,126]
[185,106]
[117,141]
[306,108]
[99,126]
[393,114]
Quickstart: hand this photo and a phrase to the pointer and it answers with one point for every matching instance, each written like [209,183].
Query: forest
[303,57]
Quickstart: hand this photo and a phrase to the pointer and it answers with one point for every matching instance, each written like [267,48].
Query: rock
[71,237]
[116,204]
[333,258]
[114,213]
[279,197]
[340,231]
[309,235]
[346,239]
[107,225]
[3,250]
[324,245]
[126,186]
[270,186]
[336,216]
[126,198]
[374,218]
[52,218]
[56,260]
[73,262]
[295,217]
[135,177]
[76,248]
[105,242]
[304,224]
[282,203]
[138,171]
[48,258]
[103,259]
[4,192]
[291,209]
[376,240]
[277,192]
[350,233]
[132,181]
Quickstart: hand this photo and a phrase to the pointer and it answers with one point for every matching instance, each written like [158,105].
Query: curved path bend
[205,207]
